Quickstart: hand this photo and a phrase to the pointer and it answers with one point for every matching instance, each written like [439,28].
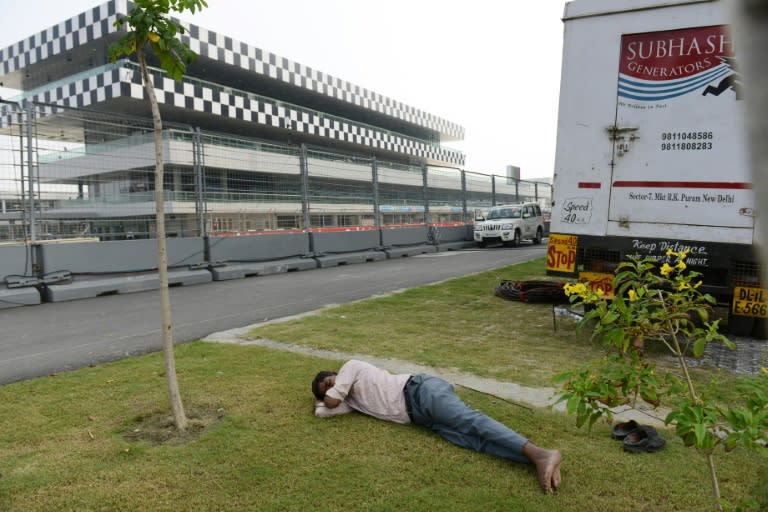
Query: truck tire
[516,240]
[539,236]
[481,244]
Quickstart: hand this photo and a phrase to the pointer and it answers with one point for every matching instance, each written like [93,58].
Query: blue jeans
[433,403]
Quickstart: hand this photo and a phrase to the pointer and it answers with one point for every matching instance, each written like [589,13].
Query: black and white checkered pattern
[125,82]
[66,36]
[215,46]
[90,26]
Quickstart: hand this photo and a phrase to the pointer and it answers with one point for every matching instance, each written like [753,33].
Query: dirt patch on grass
[158,427]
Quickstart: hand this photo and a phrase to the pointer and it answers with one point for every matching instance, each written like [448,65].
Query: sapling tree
[151,29]
[661,303]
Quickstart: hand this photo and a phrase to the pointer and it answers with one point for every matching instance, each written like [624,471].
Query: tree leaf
[700,431]
[573,404]
[698,347]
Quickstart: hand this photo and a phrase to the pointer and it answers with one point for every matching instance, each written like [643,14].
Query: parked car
[509,224]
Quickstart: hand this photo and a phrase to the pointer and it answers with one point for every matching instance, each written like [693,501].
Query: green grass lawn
[457,324]
[66,441]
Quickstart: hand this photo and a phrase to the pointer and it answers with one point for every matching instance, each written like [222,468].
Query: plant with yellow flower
[660,302]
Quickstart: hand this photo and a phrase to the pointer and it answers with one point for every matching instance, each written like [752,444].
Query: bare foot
[547,464]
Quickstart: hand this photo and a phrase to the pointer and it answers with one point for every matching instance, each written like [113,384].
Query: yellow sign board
[750,302]
[598,281]
[561,253]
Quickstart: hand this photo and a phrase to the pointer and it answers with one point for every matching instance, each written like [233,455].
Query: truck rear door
[679,153]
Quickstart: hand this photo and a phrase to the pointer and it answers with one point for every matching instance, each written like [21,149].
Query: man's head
[322,382]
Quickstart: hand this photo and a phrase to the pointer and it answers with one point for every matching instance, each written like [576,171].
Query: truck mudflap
[731,272]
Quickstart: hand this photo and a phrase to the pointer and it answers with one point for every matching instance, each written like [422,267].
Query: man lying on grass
[431,402]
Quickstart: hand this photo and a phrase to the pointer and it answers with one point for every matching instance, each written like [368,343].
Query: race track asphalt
[55,337]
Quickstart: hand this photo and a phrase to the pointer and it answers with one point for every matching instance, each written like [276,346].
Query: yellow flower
[600,292]
[683,286]
[764,370]
[681,265]
[697,284]
[579,289]
[632,295]
[666,269]
[679,255]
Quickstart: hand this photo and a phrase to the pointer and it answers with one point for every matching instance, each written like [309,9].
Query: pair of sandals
[638,438]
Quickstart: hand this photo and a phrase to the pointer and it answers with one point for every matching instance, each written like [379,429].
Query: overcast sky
[492,66]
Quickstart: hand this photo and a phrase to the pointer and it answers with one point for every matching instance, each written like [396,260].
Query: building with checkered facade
[231,85]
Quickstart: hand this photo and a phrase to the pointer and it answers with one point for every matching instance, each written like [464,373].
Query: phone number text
[687,136]
[685,146]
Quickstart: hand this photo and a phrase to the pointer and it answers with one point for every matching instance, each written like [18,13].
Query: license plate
[750,302]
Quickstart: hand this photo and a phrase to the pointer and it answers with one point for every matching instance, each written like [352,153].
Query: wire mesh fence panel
[14,187]
[507,190]
[543,194]
[92,174]
[340,190]
[401,193]
[479,190]
[533,191]
[527,191]
[510,190]
[445,195]
[72,173]
[249,186]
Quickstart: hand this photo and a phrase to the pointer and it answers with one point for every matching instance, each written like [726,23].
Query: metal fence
[71,173]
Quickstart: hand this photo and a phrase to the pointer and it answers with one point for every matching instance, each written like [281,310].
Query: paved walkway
[521,396]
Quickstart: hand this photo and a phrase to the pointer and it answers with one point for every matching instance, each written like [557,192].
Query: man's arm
[323,411]
[331,402]
[334,402]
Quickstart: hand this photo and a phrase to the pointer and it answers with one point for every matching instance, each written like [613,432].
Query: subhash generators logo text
[661,65]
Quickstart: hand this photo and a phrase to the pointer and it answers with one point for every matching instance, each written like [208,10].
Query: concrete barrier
[86,268]
[346,247]
[15,265]
[124,266]
[13,298]
[15,260]
[406,241]
[453,238]
[268,253]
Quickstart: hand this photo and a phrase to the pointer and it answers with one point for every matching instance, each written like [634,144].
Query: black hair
[316,382]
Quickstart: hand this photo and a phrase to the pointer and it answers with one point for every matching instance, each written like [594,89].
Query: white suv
[509,224]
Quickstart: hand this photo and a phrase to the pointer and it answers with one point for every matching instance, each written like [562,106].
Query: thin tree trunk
[713,478]
[695,397]
[177,408]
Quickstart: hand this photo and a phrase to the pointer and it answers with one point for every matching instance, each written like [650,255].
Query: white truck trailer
[651,149]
